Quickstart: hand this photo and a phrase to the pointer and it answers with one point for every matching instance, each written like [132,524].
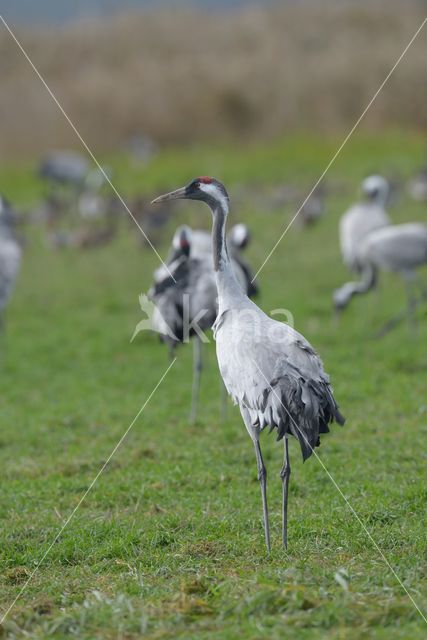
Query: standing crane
[10,255]
[185,299]
[400,248]
[268,368]
[362,218]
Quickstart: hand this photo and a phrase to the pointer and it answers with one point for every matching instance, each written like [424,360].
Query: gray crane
[10,255]
[64,167]
[268,368]
[362,218]
[400,248]
[186,304]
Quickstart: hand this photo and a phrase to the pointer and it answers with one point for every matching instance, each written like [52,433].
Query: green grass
[169,542]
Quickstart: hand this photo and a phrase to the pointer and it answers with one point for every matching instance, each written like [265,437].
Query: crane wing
[398,247]
[359,221]
[275,374]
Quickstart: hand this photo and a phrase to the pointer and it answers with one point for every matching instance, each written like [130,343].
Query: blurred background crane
[362,218]
[398,248]
[10,255]
[186,293]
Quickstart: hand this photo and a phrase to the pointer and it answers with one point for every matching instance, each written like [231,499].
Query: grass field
[169,542]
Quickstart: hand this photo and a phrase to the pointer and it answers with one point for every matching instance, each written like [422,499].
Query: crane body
[362,218]
[400,248]
[10,255]
[186,304]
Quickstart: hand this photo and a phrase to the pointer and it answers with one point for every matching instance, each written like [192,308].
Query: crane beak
[179,194]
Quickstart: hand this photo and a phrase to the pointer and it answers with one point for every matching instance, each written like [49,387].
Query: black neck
[219,243]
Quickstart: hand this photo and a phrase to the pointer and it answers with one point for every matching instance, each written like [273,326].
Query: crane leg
[197,372]
[409,312]
[262,477]
[254,432]
[285,474]
[391,324]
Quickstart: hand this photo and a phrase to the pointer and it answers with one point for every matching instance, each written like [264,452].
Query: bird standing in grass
[268,368]
[186,303]
[362,218]
[10,255]
[400,248]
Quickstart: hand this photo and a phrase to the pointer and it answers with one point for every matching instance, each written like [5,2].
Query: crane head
[181,242]
[239,236]
[376,188]
[342,296]
[206,189]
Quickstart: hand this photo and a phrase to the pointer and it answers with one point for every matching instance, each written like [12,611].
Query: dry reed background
[188,75]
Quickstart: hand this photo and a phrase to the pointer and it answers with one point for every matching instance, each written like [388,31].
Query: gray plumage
[401,248]
[398,248]
[362,218]
[10,254]
[192,277]
[190,295]
[273,374]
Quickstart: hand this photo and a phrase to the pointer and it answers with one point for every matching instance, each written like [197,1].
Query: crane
[64,167]
[362,218]
[185,299]
[269,369]
[400,248]
[10,255]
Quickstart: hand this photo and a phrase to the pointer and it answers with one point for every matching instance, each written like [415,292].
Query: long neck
[368,282]
[228,287]
[380,199]
[219,243]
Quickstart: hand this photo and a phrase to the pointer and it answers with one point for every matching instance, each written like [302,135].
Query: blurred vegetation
[188,75]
